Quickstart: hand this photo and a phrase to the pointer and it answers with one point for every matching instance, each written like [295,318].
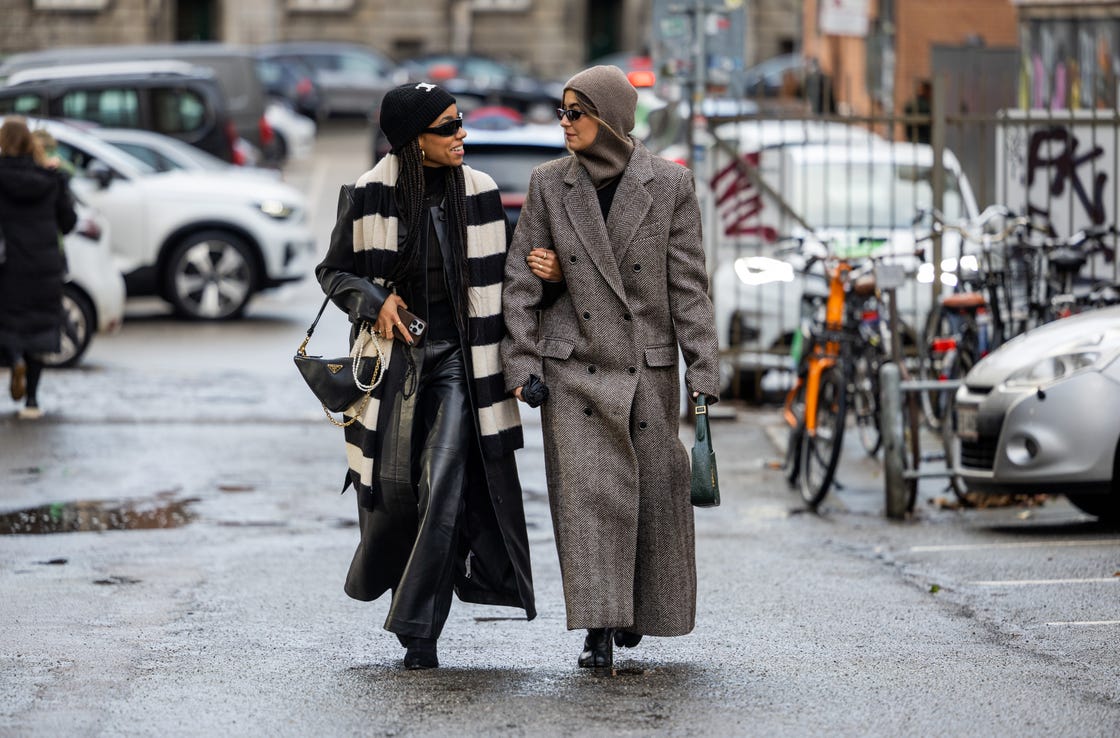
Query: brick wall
[920,24]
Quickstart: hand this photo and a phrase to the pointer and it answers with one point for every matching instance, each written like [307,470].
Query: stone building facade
[549,37]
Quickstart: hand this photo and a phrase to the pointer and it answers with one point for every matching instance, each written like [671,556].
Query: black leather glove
[534,392]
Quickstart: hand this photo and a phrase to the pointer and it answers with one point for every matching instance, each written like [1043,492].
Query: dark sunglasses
[572,115]
[450,128]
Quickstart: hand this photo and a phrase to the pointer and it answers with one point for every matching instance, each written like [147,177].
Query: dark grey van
[233,66]
[175,99]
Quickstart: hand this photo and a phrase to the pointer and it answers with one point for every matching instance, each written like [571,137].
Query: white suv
[205,242]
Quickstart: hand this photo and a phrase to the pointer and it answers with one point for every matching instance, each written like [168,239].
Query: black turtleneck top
[441,320]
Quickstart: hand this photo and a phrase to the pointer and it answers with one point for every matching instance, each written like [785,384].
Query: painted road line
[1086,622]
[1024,544]
[1027,582]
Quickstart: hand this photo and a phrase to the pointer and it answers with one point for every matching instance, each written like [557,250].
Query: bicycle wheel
[865,400]
[948,439]
[931,364]
[820,451]
[792,464]
[911,428]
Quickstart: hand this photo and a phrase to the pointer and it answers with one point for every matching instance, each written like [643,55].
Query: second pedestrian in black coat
[35,207]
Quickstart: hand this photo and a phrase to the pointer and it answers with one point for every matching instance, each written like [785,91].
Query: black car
[172,98]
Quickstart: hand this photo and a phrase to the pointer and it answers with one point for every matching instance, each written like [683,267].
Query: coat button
[587,316]
[637,267]
[573,258]
[643,425]
[632,370]
[587,411]
[591,369]
[627,316]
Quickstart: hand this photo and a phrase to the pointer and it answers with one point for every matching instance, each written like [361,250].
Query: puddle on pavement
[98,515]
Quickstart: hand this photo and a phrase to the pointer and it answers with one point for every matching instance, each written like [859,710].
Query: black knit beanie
[407,110]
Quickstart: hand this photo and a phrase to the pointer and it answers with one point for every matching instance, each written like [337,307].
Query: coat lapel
[632,201]
[582,206]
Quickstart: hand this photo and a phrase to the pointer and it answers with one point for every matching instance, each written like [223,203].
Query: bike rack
[895,469]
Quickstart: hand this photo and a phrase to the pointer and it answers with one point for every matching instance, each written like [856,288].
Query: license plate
[966,422]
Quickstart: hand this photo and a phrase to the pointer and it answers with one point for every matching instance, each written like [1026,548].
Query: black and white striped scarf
[375,251]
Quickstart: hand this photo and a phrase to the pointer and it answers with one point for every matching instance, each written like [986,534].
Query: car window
[360,64]
[116,107]
[150,157]
[81,159]
[178,110]
[29,103]
[323,62]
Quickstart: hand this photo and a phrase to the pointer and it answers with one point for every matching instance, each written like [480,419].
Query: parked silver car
[1042,414]
[351,78]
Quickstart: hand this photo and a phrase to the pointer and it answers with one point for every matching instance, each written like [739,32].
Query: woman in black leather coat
[431,454]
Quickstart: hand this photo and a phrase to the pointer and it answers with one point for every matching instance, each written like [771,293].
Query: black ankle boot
[598,649]
[421,654]
[626,638]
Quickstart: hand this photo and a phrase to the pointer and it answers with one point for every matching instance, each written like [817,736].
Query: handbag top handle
[311,328]
[302,350]
[701,412]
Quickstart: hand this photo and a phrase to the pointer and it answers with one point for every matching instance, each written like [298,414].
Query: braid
[457,205]
[410,209]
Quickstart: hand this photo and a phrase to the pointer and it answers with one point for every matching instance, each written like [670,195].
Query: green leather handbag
[705,480]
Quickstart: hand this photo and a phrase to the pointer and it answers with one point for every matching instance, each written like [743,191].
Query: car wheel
[210,276]
[279,146]
[79,322]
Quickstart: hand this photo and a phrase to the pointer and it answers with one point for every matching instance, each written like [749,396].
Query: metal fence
[859,181]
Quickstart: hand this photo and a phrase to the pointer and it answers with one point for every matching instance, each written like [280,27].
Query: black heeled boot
[626,639]
[421,654]
[598,649]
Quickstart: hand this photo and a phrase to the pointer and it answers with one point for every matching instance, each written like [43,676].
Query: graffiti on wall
[1070,64]
[1061,171]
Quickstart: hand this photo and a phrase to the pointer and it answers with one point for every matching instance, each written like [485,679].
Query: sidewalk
[234,623]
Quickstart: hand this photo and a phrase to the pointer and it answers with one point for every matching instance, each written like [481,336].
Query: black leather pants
[442,430]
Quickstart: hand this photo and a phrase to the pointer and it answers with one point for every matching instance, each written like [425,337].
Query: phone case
[415,325]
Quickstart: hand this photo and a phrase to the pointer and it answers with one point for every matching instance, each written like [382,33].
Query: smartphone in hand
[415,325]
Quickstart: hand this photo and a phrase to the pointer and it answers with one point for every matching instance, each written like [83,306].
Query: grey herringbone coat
[618,475]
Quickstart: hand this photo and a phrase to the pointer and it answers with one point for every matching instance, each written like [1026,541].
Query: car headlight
[276,209]
[1052,368]
[756,270]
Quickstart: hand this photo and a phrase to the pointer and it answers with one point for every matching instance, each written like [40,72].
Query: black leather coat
[494,518]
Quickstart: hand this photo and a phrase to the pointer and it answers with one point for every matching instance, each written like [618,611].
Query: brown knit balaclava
[605,92]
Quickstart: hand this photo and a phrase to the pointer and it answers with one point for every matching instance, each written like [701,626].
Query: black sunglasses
[450,128]
[572,115]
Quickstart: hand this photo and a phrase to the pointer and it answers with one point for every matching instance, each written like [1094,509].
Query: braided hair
[410,208]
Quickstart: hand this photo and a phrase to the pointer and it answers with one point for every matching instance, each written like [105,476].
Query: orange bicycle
[816,406]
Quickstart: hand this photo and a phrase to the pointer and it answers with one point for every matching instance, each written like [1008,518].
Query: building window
[70,5]
[483,5]
[329,6]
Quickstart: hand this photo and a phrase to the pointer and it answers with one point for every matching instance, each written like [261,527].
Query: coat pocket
[661,355]
[555,348]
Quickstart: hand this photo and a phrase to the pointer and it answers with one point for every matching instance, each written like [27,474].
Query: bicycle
[816,407]
[978,316]
[1065,291]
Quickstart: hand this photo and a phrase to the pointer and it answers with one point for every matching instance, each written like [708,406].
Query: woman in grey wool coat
[606,279]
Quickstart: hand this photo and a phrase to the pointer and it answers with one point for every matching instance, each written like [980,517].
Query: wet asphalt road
[233,622]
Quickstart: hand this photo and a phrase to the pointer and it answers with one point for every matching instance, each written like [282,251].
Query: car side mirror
[101,173]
